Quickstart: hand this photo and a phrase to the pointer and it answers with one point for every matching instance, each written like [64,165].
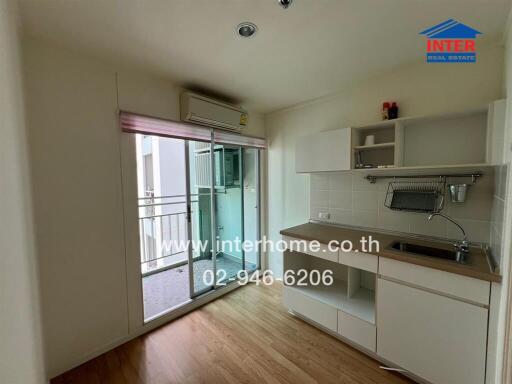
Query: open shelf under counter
[360,305]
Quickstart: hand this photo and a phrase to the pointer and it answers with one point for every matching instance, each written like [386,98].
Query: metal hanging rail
[373,178]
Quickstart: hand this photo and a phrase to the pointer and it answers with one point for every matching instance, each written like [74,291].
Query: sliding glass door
[198,204]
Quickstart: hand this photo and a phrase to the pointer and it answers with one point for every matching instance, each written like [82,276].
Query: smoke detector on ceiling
[285,3]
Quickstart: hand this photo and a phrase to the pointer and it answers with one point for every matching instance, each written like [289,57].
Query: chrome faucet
[461,247]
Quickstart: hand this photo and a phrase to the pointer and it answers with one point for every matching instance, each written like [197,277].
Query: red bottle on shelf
[385,111]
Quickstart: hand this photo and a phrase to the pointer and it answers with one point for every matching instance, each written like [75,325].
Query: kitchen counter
[477,263]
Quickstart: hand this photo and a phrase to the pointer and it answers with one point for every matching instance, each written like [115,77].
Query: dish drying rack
[426,196]
[423,196]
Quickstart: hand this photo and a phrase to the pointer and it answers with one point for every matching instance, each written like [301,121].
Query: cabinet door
[434,337]
[315,310]
[325,151]
[359,331]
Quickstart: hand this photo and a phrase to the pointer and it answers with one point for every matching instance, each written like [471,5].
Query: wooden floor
[246,336]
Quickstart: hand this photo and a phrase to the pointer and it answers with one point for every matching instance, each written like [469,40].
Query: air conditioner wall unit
[202,110]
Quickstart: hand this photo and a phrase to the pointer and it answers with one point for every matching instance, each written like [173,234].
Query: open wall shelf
[382,153]
[444,140]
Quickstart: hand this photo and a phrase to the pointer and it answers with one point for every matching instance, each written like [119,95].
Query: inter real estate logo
[451,42]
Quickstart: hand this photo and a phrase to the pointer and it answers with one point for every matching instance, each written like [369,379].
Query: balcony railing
[163,232]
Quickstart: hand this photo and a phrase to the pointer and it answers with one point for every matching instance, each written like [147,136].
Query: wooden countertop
[477,263]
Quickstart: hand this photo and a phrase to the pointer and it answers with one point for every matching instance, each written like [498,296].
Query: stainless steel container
[458,192]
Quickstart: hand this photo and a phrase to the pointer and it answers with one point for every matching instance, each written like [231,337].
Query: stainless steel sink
[424,250]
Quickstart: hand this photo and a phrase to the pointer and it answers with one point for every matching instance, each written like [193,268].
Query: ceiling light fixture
[246,29]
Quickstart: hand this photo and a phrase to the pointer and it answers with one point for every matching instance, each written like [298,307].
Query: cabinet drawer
[359,260]
[315,310]
[440,339]
[463,287]
[322,251]
[357,330]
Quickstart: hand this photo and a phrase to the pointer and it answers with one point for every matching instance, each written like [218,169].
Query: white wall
[420,89]
[91,292]
[71,105]
[21,357]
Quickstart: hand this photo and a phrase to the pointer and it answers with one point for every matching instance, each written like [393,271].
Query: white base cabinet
[431,323]
[437,338]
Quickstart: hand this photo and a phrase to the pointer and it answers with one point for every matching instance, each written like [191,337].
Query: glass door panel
[251,210]
[201,253]
[229,212]
[162,206]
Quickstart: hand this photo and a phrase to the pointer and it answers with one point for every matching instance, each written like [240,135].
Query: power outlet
[324,215]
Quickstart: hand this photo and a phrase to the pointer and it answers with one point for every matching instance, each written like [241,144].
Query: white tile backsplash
[365,200]
[319,198]
[502,172]
[362,218]
[342,216]
[476,230]
[496,245]
[394,221]
[497,213]
[314,213]
[360,184]
[340,182]
[340,199]
[420,224]
[480,206]
[321,181]
[352,200]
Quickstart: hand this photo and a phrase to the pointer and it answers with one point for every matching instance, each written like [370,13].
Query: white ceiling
[314,48]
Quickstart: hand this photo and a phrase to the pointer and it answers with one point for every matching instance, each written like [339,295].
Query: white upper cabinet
[496,132]
[472,140]
[325,151]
